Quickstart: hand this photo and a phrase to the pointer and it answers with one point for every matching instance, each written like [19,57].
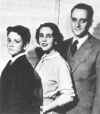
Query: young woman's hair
[56,32]
[58,37]
[24,32]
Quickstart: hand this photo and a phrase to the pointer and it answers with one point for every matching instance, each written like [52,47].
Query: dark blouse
[19,88]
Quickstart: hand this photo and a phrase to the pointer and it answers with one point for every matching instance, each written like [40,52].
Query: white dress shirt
[80,40]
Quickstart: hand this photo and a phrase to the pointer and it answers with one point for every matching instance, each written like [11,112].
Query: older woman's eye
[8,40]
[74,19]
[17,41]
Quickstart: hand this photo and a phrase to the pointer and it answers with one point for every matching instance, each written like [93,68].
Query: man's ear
[90,23]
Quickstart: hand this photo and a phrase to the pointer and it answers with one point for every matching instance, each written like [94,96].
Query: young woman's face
[14,43]
[46,39]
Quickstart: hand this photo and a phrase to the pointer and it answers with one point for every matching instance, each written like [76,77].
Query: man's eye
[83,20]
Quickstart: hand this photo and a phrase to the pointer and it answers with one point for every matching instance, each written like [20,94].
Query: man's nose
[78,24]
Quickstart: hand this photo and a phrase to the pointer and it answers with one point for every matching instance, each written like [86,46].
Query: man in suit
[85,62]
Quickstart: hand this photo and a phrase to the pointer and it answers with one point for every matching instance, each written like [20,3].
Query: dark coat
[85,66]
[19,88]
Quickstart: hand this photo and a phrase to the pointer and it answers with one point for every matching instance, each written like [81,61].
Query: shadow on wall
[34,56]
[96,31]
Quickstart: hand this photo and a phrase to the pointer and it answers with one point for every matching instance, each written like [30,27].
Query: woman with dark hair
[20,86]
[53,70]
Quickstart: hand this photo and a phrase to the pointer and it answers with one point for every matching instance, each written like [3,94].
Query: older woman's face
[14,43]
[46,39]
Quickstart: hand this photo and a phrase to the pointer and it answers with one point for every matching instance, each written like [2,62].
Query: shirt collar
[80,40]
[50,55]
[17,56]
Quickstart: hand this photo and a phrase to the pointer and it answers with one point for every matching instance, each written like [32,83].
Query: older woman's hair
[58,37]
[24,32]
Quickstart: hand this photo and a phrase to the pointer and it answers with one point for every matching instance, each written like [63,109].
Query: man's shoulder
[69,40]
[95,41]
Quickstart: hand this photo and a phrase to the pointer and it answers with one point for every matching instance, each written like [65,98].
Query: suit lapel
[81,55]
[69,44]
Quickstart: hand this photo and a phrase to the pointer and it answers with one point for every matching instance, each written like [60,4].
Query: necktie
[74,47]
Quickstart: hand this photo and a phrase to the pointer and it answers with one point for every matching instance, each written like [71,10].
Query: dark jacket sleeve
[28,82]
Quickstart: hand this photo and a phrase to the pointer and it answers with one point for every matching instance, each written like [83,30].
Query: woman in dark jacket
[20,86]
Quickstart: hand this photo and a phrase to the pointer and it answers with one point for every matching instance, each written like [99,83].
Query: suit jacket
[18,85]
[85,66]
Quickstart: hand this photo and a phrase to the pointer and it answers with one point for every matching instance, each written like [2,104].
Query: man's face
[79,22]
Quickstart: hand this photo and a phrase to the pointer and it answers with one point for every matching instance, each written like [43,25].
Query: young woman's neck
[50,51]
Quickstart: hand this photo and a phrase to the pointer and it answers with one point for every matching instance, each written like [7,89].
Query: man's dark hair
[86,7]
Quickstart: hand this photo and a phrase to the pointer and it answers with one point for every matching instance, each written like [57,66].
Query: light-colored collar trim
[17,56]
[50,55]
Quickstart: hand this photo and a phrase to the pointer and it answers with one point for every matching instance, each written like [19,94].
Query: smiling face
[79,22]
[14,43]
[46,39]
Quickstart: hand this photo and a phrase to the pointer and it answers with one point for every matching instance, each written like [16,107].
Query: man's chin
[81,35]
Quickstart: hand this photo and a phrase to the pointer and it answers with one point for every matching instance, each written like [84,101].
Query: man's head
[81,19]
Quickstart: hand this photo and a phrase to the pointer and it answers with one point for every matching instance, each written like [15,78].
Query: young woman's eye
[49,36]
[41,35]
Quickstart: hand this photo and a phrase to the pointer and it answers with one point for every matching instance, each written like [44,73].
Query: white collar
[50,55]
[17,56]
[80,40]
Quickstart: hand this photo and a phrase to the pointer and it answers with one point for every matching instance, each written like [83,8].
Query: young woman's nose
[44,38]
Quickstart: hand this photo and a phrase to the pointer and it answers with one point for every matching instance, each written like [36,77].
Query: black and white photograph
[49,57]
